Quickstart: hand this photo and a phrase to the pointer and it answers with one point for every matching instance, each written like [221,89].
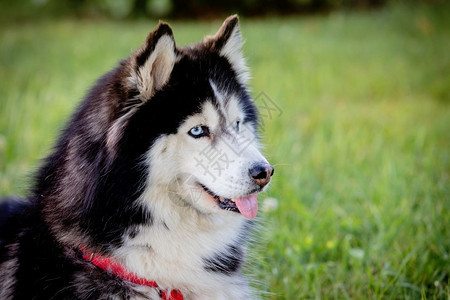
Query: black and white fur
[109,182]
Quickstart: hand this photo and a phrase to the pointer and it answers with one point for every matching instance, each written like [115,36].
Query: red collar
[112,266]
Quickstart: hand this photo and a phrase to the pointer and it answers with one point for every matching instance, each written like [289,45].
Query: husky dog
[150,190]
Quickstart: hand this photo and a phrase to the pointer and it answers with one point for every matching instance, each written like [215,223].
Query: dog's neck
[172,250]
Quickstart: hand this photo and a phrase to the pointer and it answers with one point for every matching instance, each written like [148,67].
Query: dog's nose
[261,173]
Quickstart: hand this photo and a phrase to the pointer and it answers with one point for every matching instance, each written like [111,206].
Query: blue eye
[196,131]
[199,131]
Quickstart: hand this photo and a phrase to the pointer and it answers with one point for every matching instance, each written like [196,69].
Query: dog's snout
[261,173]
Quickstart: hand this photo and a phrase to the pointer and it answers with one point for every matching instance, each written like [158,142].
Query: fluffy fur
[129,179]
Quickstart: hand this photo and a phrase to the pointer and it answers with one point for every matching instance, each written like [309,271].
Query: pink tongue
[248,205]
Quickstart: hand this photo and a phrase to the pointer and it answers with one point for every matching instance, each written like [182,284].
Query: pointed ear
[152,64]
[228,43]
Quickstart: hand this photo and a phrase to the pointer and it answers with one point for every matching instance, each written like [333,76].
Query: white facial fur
[221,162]
[180,163]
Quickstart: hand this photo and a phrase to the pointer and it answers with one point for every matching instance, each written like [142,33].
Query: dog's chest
[184,256]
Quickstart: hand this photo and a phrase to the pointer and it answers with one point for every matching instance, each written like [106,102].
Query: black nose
[261,173]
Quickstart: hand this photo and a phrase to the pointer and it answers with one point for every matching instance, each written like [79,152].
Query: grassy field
[359,134]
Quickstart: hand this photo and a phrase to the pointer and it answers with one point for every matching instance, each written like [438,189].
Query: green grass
[361,148]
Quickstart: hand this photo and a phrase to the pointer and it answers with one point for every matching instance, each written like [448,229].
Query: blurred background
[189,9]
[354,98]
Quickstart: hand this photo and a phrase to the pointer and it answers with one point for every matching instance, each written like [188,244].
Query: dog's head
[168,124]
[191,110]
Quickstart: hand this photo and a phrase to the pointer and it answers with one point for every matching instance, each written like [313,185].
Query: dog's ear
[228,43]
[147,70]
[153,63]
